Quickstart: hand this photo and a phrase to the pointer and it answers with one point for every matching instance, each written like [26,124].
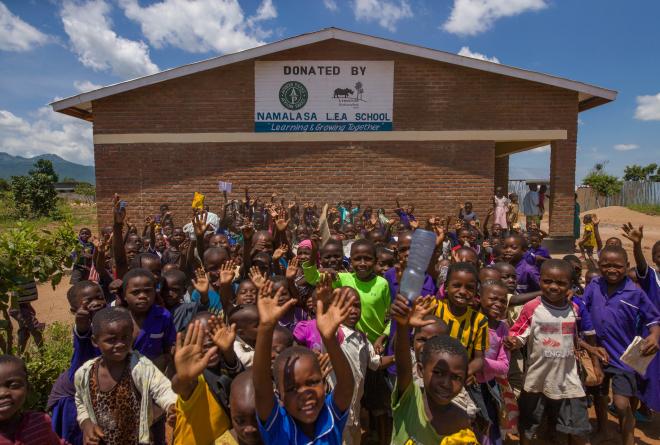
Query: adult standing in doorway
[530,206]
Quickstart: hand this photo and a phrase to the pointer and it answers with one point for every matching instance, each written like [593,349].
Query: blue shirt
[616,317]
[532,253]
[83,350]
[157,335]
[281,428]
[215,304]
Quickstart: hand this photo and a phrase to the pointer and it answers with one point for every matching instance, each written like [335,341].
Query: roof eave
[84,100]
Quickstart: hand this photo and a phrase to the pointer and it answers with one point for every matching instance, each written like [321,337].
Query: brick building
[454,122]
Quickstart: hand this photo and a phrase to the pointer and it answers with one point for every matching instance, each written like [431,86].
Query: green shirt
[411,425]
[374,298]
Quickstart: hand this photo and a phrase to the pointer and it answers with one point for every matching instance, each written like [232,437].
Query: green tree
[4,185]
[85,189]
[27,254]
[35,193]
[638,173]
[602,183]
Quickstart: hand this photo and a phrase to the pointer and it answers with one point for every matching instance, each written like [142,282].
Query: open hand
[280,252]
[258,278]
[200,224]
[189,357]
[269,311]
[330,316]
[201,281]
[292,269]
[634,235]
[227,272]
[222,335]
[324,288]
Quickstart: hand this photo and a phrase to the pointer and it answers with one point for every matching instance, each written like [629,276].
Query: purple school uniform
[157,335]
[615,317]
[428,288]
[527,277]
[532,253]
[650,387]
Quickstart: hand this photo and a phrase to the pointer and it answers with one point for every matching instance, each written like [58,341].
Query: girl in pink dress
[501,206]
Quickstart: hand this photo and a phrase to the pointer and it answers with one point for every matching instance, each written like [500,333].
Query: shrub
[45,365]
[35,193]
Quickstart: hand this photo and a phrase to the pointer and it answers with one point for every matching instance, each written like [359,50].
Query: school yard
[52,305]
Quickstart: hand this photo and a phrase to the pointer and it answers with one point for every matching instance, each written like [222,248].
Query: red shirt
[34,429]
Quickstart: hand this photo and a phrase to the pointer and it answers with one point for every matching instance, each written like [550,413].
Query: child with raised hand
[649,280]
[427,417]
[215,261]
[172,293]
[85,300]
[618,309]
[115,392]
[304,413]
[18,426]
[201,417]
[549,325]
[373,290]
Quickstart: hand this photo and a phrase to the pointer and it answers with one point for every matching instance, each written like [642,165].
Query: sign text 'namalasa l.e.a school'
[323,95]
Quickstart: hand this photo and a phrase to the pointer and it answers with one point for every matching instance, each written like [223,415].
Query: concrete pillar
[562,193]
[502,173]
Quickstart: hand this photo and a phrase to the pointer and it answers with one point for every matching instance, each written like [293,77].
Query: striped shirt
[471,328]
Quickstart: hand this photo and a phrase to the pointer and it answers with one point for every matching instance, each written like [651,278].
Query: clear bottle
[421,251]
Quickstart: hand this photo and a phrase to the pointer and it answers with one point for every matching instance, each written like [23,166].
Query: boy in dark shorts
[618,307]
[549,325]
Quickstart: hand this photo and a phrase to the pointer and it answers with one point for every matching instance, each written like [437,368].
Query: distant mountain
[18,165]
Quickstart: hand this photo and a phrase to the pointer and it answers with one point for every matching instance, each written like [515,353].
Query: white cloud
[543,149]
[465,51]
[83,86]
[626,147]
[47,132]
[331,5]
[200,26]
[648,108]
[386,12]
[98,46]
[471,17]
[17,35]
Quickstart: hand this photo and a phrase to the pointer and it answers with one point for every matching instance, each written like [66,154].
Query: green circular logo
[293,95]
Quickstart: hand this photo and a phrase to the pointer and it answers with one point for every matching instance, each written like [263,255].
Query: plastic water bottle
[421,250]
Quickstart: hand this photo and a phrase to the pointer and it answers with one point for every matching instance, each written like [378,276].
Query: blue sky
[56,48]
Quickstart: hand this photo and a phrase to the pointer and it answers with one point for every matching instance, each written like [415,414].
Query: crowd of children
[276,323]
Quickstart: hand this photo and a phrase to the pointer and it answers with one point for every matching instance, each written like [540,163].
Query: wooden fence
[633,192]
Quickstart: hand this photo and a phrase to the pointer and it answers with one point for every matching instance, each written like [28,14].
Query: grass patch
[80,215]
[649,209]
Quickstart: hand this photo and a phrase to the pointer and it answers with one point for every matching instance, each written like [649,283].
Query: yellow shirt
[463,437]
[590,235]
[200,419]
[226,439]
[471,328]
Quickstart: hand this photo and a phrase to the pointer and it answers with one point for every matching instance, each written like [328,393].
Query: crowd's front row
[455,366]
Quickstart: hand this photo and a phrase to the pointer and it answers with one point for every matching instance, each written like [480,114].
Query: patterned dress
[117,411]
[501,206]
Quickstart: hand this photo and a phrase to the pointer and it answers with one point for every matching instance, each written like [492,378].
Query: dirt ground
[52,305]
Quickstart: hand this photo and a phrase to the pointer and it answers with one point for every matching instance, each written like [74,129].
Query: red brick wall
[428,95]
[434,176]
[502,173]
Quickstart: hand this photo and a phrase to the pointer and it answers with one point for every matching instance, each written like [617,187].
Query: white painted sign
[323,95]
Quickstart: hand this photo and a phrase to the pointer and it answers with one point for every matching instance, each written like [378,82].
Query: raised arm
[636,236]
[190,359]
[406,318]
[262,377]
[118,252]
[328,319]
